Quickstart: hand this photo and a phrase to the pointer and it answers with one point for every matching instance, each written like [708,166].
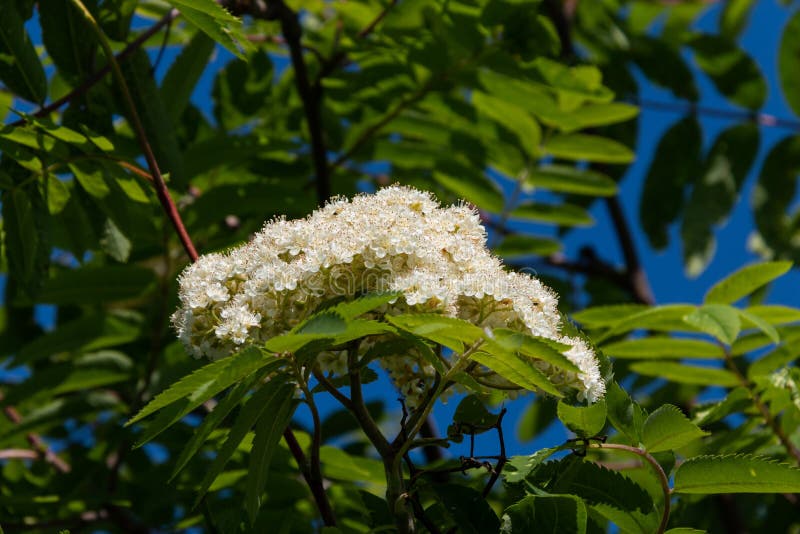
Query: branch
[316,489]
[637,278]
[95,78]
[136,124]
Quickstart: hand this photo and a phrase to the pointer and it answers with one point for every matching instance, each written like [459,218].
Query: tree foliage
[140,133]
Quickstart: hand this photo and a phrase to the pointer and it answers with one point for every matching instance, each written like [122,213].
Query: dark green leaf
[568,179]
[624,413]
[20,68]
[467,508]
[472,417]
[514,246]
[546,514]
[733,72]
[561,214]
[733,17]
[788,52]
[663,193]
[97,285]
[184,73]
[270,399]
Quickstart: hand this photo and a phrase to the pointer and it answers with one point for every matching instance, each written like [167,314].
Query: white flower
[398,239]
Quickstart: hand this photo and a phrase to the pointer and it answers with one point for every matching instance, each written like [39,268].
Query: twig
[38,444]
[95,78]
[18,454]
[311,96]
[501,460]
[330,388]
[314,465]
[317,490]
[136,123]
[637,278]
[360,411]
[761,119]
[662,476]
[791,448]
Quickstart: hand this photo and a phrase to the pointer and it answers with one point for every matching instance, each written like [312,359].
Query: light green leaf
[364,304]
[745,281]
[114,242]
[604,114]
[665,318]
[513,118]
[717,320]
[513,368]
[668,429]
[514,246]
[739,473]
[603,316]
[537,348]
[568,179]
[751,319]
[585,421]
[624,413]
[215,22]
[209,380]
[57,194]
[584,147]
[686,374]
[733,17]
[775,314]
[664,347]
[561,214]
[448,331]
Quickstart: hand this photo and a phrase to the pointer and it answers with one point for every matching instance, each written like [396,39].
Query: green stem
[662,476]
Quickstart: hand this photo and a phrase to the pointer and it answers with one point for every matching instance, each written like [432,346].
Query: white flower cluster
[398,239]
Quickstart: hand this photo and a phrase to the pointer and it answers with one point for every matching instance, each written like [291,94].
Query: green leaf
[546,514]
[513,118]
[666,318]
[87,333]
[448,331]
[664,347]
[739,473]
[519,467]
[733,72]
[595,115]
[212,420]
[775,314]
[115,243]
[663,193]
[685,530]
[476,189]
[584,147]
[733,18]
[365,304]
[761,324]
[514,246]
[467,508]
[69,40]
[268,400]
[268,429]
[738,400]
[209,380]
[585,421]
[521,372]
[184,73]
[20,68]
[94,285]
[624,413]
[715,193]
[215,22]
[25,224]
[568,179]
[561,214]
[717,320]
[745,281]
[536,417]
[668,429]
[57,194]
[686,374]
[773,194]
[536,348]
[603,316]
[338,464]
[472,417]
[788,52]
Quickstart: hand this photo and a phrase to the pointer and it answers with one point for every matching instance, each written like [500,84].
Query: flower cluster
[398,239]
